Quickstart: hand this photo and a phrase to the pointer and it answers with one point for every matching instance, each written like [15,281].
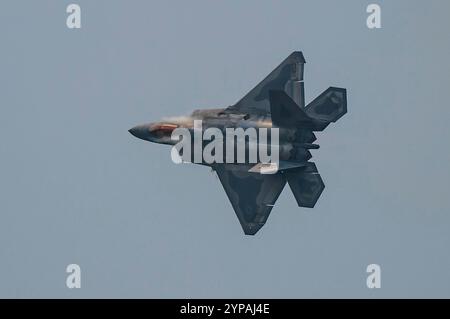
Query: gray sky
[76,187]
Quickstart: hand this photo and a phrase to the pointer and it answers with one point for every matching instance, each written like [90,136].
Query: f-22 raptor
[277,101]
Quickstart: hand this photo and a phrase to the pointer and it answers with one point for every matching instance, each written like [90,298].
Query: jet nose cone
[139,131]
[133,131]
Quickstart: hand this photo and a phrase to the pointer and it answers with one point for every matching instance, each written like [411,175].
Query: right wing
[252,195]
[288,77]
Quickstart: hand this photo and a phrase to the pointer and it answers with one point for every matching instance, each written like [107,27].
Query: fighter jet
[278,101]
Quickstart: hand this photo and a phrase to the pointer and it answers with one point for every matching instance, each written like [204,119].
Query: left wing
[287,77]
[252,195]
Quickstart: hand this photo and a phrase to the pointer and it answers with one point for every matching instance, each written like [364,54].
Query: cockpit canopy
[162,129]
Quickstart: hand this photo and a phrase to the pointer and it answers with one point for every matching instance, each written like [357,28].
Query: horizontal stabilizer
[306,184]
[329,106]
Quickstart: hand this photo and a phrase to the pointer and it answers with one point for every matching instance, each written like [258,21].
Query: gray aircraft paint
[267,105]
[77,188]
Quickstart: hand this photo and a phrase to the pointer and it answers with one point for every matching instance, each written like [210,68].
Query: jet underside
[277,101]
